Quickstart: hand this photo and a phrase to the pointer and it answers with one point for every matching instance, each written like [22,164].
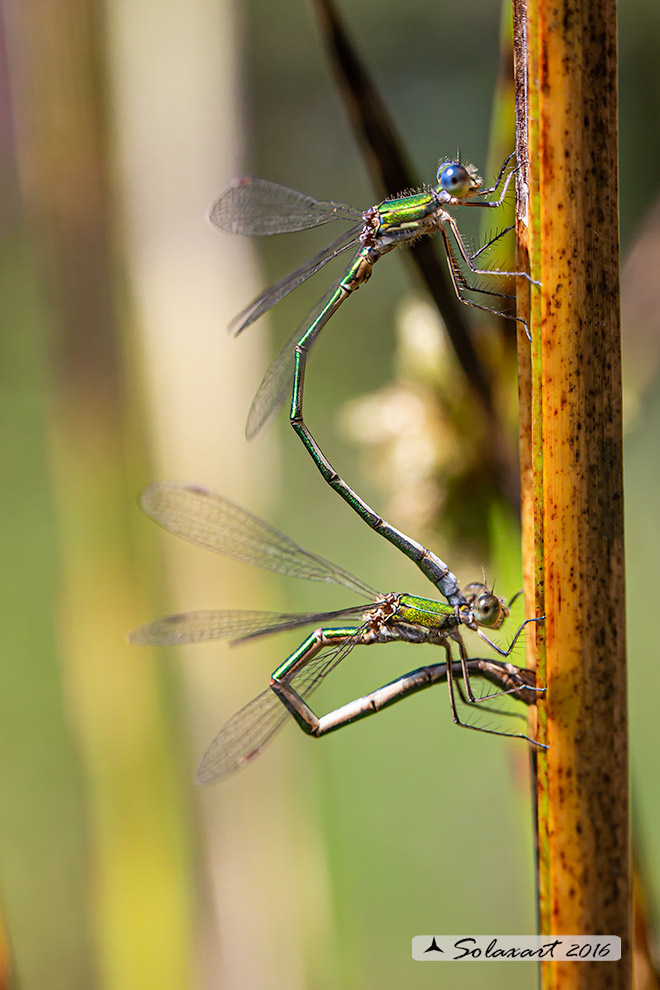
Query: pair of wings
[255,207]
[208,520]
[213,522]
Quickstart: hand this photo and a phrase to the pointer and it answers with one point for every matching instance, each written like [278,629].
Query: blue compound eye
[454,179]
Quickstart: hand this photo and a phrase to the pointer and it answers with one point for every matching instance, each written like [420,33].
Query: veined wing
[277,384]
[279,290]
[207,519]
[236,625]
[242,738]
[256,207]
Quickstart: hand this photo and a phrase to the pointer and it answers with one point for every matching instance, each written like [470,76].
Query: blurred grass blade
[640,312]
[44,858]
[135,917]
[5,958]
[646,975]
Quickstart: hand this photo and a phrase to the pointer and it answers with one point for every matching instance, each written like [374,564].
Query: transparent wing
[208,520]
[277,384]
[242,738]
[280,289]
[235,625]
[256,207]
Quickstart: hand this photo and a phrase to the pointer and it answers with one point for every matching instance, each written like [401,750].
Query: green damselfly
[208,520]
[258,207]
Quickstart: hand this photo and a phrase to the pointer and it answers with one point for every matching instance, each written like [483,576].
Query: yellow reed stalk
[572,473]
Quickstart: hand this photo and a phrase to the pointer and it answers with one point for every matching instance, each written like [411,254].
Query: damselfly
[256,207]
[211,521]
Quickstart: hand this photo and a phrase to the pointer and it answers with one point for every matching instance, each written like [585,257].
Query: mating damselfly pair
[254,206]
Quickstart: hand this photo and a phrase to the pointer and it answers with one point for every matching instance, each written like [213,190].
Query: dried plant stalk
[572,472]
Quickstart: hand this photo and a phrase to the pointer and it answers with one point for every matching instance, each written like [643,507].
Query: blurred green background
[314,867]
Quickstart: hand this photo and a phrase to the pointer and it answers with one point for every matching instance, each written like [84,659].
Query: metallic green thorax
[408,209]
[425,612]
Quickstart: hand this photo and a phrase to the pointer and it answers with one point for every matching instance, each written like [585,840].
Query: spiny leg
[460,279]
[463,659]
[477,728]
[500,175]
[460,284]
[494,203]
[496,694]
[493,240]
[467,258]
[471,699]
[507,652]
[450,684]
[489,271]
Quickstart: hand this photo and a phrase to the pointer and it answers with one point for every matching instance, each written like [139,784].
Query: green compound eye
[454,179]
[488,610]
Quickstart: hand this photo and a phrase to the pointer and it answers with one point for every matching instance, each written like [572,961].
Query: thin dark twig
[391,173]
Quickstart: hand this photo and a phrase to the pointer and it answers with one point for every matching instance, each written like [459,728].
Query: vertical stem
[572,472]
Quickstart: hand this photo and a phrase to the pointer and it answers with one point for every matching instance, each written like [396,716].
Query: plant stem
[572,472]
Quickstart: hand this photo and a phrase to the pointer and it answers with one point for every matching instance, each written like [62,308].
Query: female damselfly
[208,520]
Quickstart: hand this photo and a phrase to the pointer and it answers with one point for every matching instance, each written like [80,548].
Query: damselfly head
[458,180]
[487,608]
